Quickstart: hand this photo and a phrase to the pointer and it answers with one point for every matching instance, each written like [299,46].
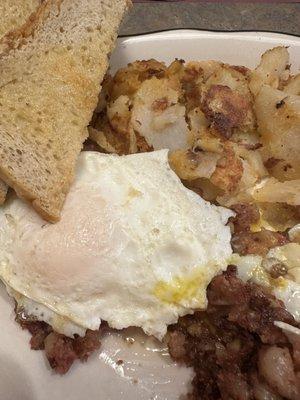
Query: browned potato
[190,165]
[128,80]
[100,138]
[273,191]
[272,68]
[278,117]
[226,140]
[107,138]
[236,78]
[194,75]
[203,68]
[204,188]
[279,216]
[159,117]
[119,116]
[227,110]
[253,171]
[292,86]
[229,171]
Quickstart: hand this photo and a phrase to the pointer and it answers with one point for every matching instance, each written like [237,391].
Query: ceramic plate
[129,365]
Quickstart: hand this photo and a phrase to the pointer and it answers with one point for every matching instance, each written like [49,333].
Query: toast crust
[3,192]
[14,13]
[17,37]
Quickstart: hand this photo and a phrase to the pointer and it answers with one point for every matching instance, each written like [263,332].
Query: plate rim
[269,33]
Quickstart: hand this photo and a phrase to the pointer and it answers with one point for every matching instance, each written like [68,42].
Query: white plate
[239,48]
[147,372]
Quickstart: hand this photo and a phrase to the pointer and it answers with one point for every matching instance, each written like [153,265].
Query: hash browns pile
[233,133]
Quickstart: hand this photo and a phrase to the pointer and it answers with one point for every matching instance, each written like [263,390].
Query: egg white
[30,309]
[133,247]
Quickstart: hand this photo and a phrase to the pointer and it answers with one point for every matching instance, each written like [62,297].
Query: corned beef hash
[183,220]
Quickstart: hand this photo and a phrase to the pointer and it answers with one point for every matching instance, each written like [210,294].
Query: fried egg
[133,247]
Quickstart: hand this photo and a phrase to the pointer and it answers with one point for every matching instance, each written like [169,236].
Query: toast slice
[13,14]
[51,72]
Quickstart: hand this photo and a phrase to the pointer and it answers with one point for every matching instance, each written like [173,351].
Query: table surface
[152,16]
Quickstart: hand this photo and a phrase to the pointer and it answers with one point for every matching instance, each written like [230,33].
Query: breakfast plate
[128,365]
[236,48]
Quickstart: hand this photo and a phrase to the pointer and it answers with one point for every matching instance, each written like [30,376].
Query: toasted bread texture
[51,72]
[3,191]
[14,13]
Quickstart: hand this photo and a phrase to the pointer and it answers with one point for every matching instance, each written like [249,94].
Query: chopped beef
[259,243]
[61,351]
[251,306]
[89,145]
[39,331]
[246,215]
[233,385]
[176,342]
[228,343]
[85,346]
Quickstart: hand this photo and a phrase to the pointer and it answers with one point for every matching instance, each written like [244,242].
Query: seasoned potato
[128,80]
[278,117]
[198,122]
[209,142]
[236,78]
[205,188]
[158,116]
[174,73]
[252,173]
[107,138]
[227,110]
[100,138]
[272,68]
[229,171]
[194,75]
[119,115]
[253,159]
[201,69]
[273,191]
[278,216]
[112,129]
[233,134]
[190,165]
[292,86]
